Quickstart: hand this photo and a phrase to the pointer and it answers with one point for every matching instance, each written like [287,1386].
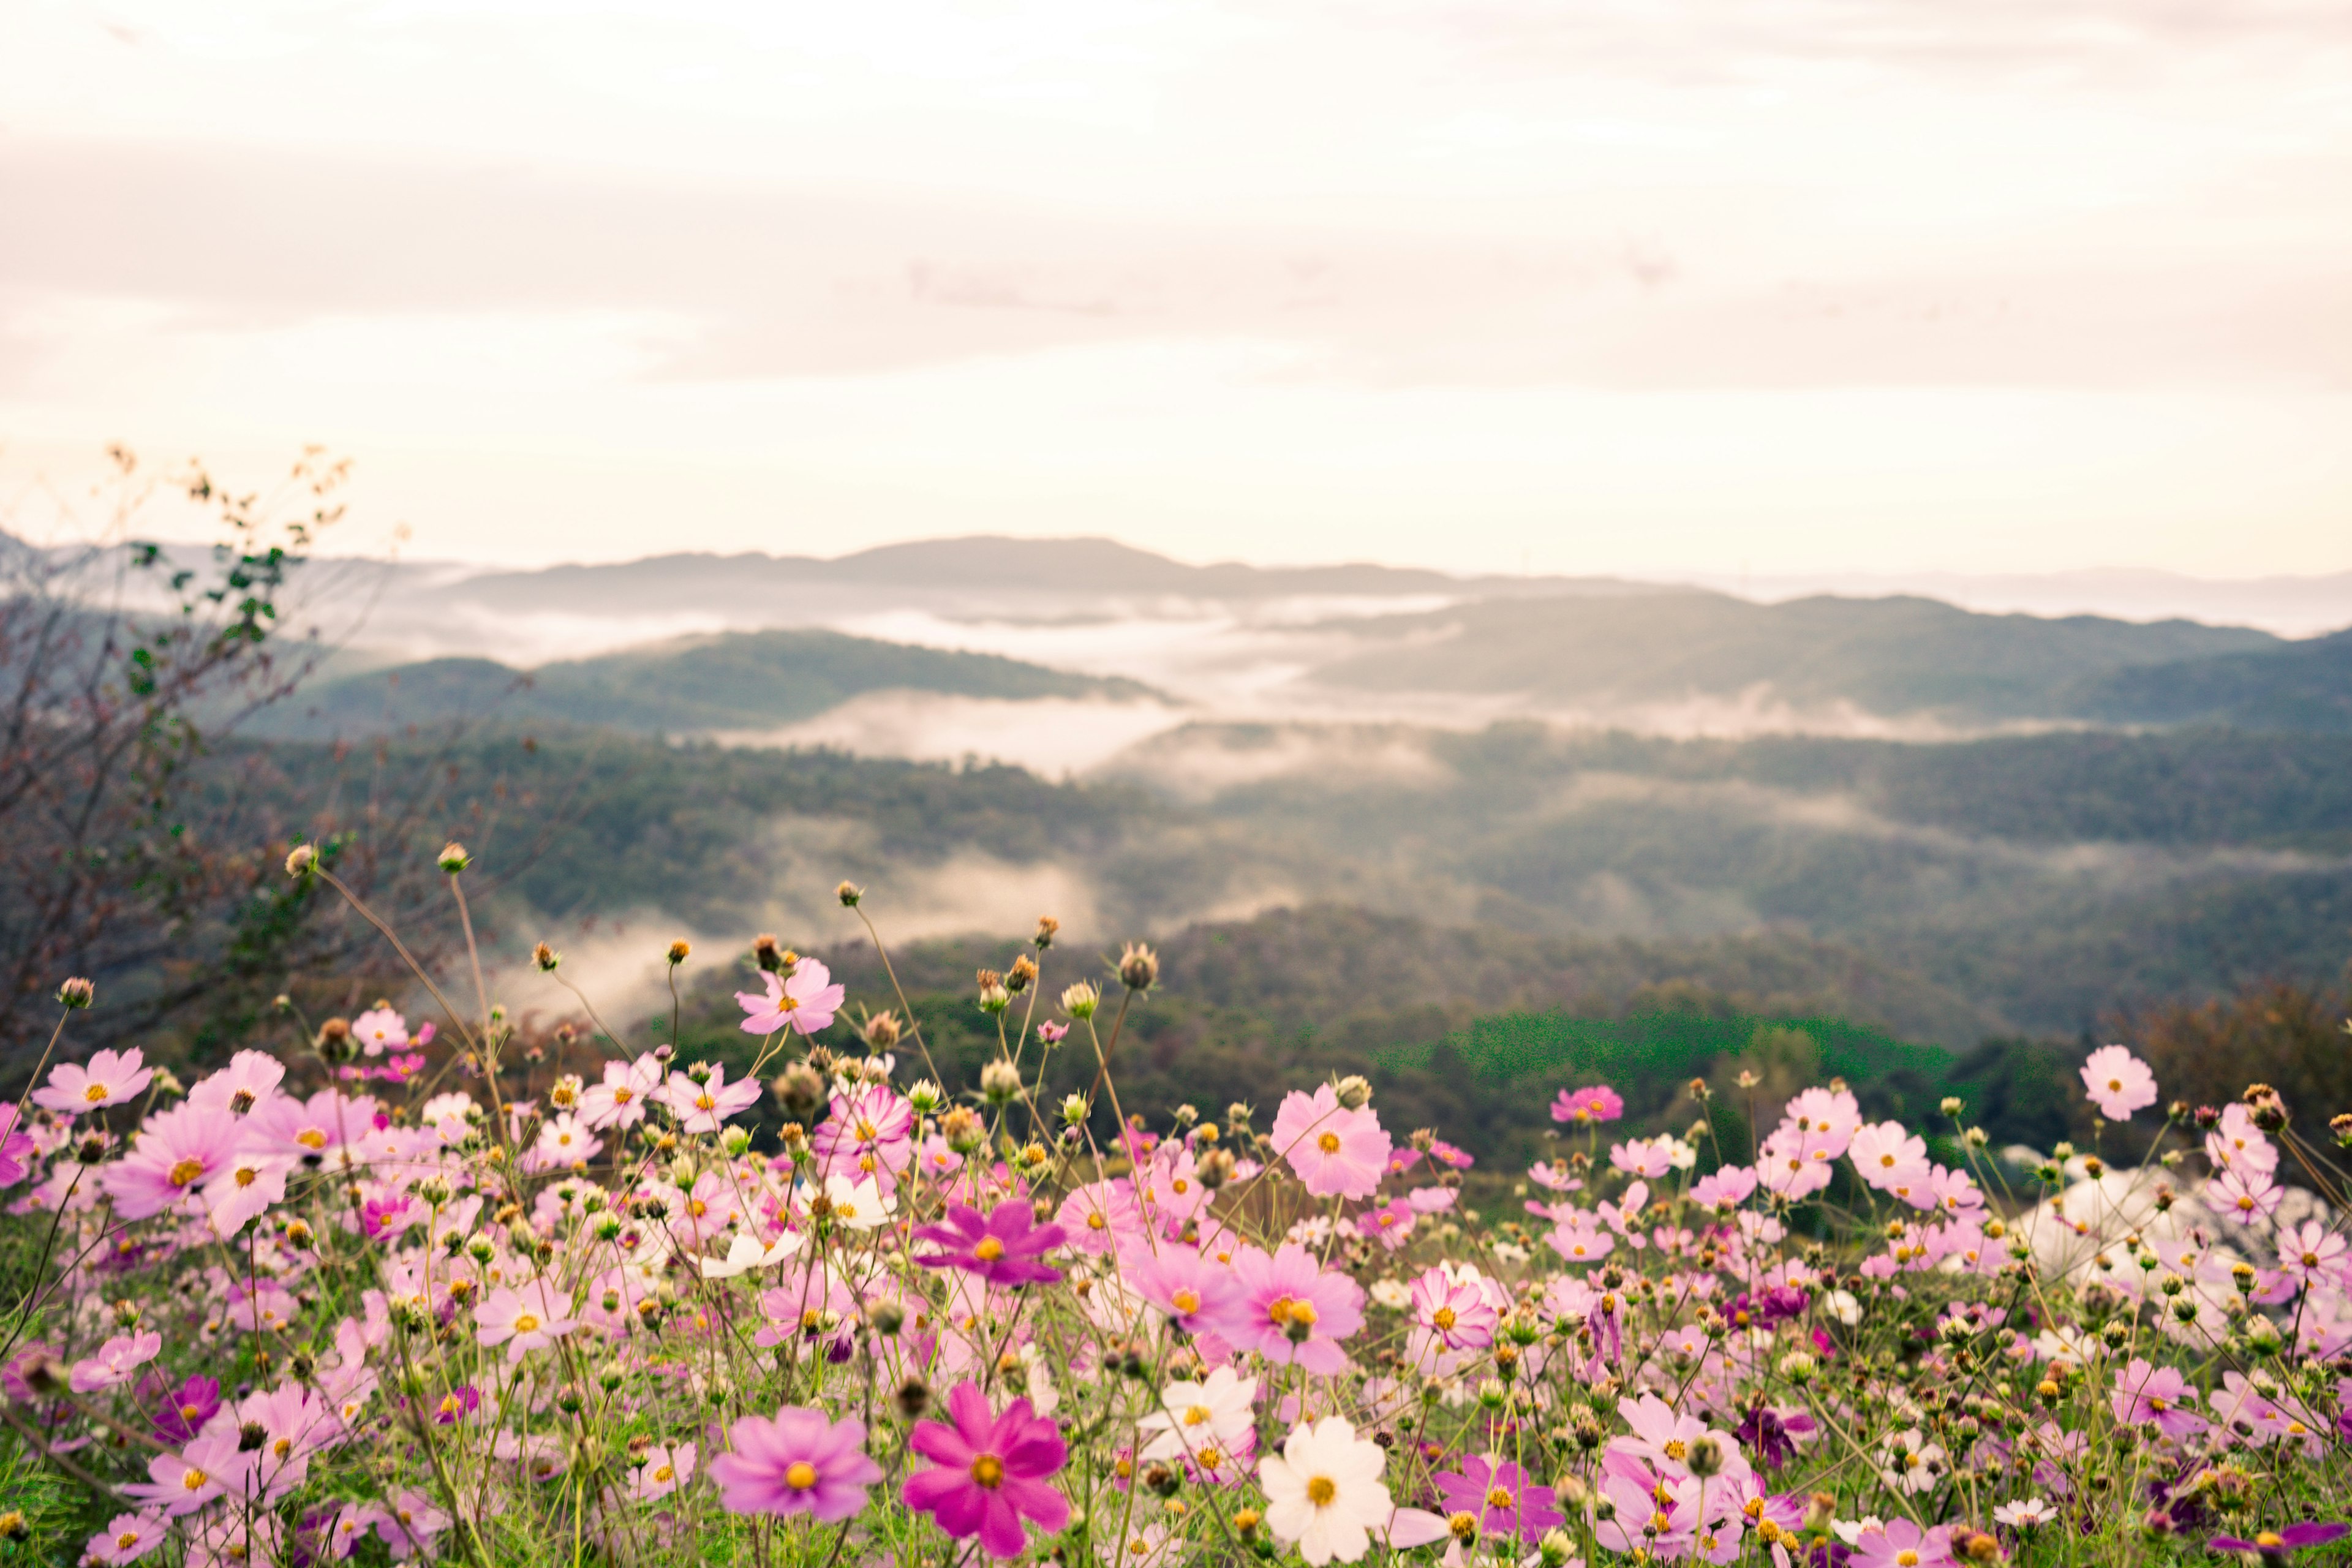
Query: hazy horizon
[1877,287]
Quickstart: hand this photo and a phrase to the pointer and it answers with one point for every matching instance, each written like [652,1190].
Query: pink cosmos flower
[210,1465]
[110,1079]
[116,1360]
[705,1107]
[522,1320]
[2162,1394]
[804,1004]
[1790,1167]
[1586,1106]
[620,1100]
[251,1077]
[1899,1543]
[306,1128]
[1195,1292]
[1579,1239]
[1288,1309]
[176,1151]
[1002,1246]
[380,1029]
[1338,1153]
[2245,1195]
[799,1462]
[871,1128]
[409,1525]
[1431,1200]
[1733,1185]
[245,1190]
[15,1148]
[2119,1083]
[1391,1225]
[1456,1312]
[1889,1152]
[1500,1495]
[1829,1116]
[1646,1157]
[129,1538]
[989,1473]
[1100,1216]
[2311,1251]
[1052,1033]
[2238,1144]
[565,1142]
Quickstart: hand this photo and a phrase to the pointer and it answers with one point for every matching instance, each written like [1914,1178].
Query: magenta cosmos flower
[797,1463]
[110,1079]
[804,1004]
[1499,1497]
[1585,1106]
[989,1473]
[15,1148]
[2278,1544]
[1003,1247]
[2119,1083]
[1288,1309]
[1338,1153]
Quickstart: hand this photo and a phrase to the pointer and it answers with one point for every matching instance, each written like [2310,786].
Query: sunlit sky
[1552,285]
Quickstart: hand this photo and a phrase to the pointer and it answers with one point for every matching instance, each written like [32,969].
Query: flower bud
[849,893]
[678,950]
[1022,974]
[301,861]
[334,1043]
[1706,1455]
[1556,1548]
[926,1097]
[1080,1000]
[1139,967]
[1000,1082]
[963,1129]
[887,1318]
[76,993]
[1798,1367]
[768,954]
[914,1397]
[735,1141]
[881,1031]
[1355,1092]
[546,958]
[1047,926]
[453,858]
[1075,1109]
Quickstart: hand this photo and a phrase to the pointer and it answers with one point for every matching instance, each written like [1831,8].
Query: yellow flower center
[1907,1558]
[94,1093]
[1196,1413]
[697,1207]
[1096,1221]
[186,1171]
[1210,1458]
[989,1251]
[1321,1491]
[1444,1318]
[1328,1143]
[1277,1311]
[1498,1497]
[2116,1084]
[526,1324]
[866,1131]
[126,1541]
[1187,1300]
[988,1471]
[662,1476]
[247,1175]
[311,1138]
[194,1478]
[800,1475]
[704,1102]
[1676,1448]
[2269,1541]
[623,1094]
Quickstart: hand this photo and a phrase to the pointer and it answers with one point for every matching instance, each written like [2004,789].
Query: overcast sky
[1563,285]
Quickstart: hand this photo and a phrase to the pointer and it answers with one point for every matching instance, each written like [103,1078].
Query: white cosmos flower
[1323,1492]
[745,1253]
[2025,1513]
[1392,1293]
[859,1205]
[1197,1415]
[1850,1530]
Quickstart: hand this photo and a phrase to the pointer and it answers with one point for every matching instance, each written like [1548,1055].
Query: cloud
[712,283]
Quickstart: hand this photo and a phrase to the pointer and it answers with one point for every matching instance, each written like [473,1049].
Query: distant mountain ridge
[734,680]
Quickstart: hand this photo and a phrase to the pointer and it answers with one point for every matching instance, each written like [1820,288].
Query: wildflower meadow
[413,1293]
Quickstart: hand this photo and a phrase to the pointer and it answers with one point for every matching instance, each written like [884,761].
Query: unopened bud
[453,858]
[881,1031]
[677,952]
[1000,1082]
[546,957]
[1047,926]
[849,893]
[1080,1000]
[302,862]
[1138,966]
[76,993]
[1355,1092]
